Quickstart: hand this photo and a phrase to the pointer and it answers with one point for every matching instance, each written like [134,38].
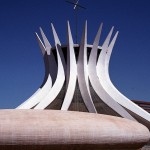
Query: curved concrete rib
[60,76]
[46,42]
[58,46]
[51,59]
[72,72]
[83,73]
[96,84]
[46,85]
[113,92]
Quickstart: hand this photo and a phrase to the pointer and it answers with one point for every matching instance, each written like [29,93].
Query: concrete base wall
[64,130]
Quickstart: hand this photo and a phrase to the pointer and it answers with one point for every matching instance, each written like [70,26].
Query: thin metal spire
[76,8]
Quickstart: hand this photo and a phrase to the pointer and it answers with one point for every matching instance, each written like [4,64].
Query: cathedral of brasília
[77,106]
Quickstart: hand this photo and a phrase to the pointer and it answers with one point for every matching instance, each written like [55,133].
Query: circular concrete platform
[55,129]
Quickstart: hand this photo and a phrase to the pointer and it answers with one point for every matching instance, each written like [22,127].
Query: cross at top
[76,4]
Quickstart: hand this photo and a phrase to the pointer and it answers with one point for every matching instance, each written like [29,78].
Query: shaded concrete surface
[63,147]
[146,147]
[68,130]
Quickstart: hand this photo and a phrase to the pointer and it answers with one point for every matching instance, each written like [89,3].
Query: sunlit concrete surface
[56,129]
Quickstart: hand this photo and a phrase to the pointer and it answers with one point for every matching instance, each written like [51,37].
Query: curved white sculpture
[83,73]
[83,67]
[71,72]
[47,83]
[97,85]
[103,74]
[60,76]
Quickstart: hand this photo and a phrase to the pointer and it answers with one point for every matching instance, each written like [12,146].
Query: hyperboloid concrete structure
[76,79]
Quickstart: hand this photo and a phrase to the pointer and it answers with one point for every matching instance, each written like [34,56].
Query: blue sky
[21,65]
